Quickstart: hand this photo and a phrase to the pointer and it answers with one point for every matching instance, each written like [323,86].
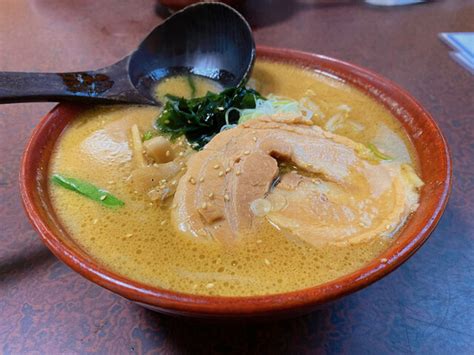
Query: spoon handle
[104,86]
[28,87]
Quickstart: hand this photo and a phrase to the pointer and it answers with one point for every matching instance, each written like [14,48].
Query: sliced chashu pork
[336,195]
[374,203]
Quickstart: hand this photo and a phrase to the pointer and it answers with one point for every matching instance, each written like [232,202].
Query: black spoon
[207,39]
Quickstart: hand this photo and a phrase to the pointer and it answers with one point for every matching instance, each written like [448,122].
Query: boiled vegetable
[159,149]
[88,190]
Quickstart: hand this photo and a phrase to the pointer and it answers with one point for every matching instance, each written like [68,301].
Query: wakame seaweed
[200,119]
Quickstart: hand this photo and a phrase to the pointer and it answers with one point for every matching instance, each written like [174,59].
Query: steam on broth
[176,227]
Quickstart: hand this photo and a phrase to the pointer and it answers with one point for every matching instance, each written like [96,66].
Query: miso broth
[139,239]
[187,86]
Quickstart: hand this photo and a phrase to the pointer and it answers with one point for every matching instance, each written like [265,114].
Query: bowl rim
[168,301]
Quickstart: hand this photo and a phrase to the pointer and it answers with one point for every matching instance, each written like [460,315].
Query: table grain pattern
[426,306]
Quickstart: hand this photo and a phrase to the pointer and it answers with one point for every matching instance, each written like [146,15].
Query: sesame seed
[254,139]
[201,179]
[211,195]
[221,173]
[173,182]
[174,205]
[103,197]
[259,241]
[129,235]
[167,153]
[237,172]
[191,180]
[267,261]
[247,152]
[163,222]
[204,205]
[226,197]
[181,154]
[384,260]
[95,221]
[216,166]
[210,285]
[227,170]
[156,165]
[111,182]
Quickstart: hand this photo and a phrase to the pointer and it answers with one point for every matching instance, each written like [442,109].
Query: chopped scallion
[192,86]
[148,135]
[378,153]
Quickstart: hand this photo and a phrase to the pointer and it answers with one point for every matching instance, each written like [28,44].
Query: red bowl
[436,172]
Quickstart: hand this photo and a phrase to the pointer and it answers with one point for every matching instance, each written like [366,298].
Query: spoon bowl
[217,43]
[206,39]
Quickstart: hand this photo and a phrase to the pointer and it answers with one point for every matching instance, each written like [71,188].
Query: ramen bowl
[435,170]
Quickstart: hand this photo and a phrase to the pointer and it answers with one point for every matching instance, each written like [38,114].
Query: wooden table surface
[426,306]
